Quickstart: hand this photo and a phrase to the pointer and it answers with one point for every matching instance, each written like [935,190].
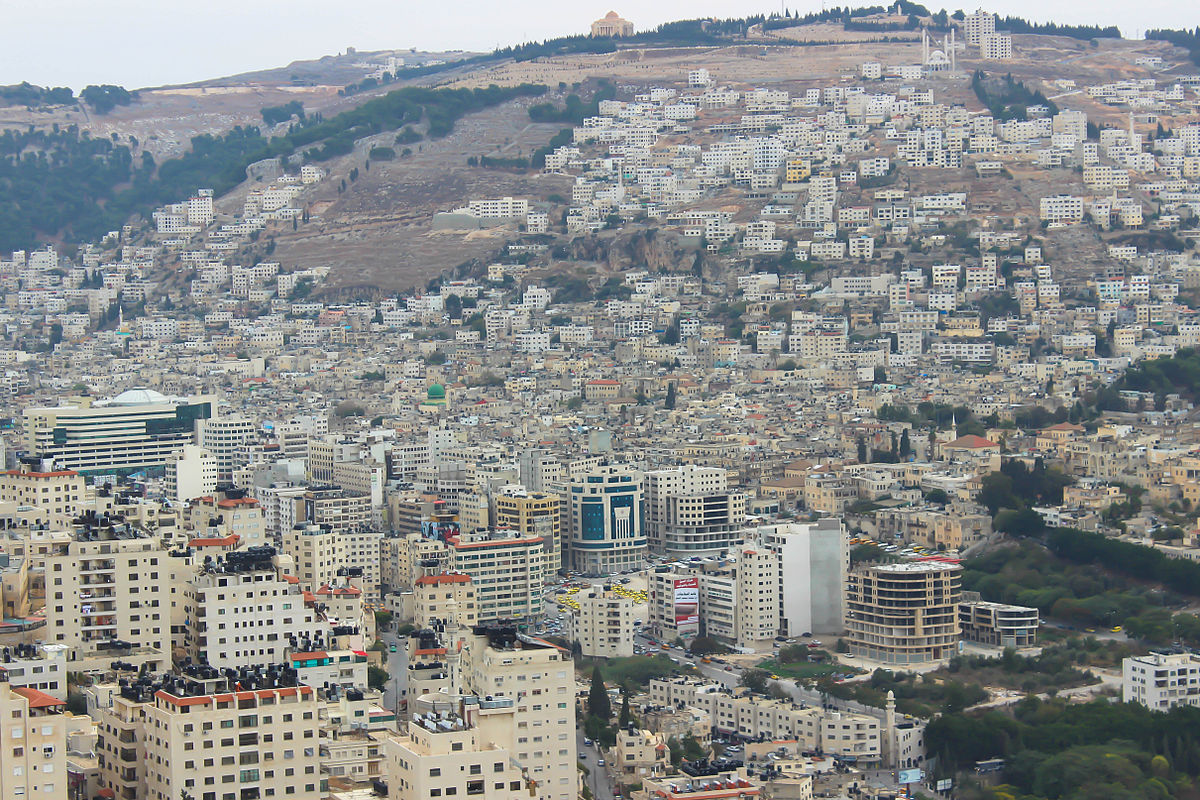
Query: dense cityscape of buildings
[220,486]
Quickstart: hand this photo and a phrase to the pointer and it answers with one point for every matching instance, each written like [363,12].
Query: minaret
[889,731]
[924,47]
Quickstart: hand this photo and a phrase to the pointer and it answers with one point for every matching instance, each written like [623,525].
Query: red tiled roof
[38,699]
[971,442]
[215,541]
[62,473]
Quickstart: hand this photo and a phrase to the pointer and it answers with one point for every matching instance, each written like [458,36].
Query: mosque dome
[436,392]
[138,397]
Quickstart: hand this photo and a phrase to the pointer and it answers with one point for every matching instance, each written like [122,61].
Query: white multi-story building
[507,571]
[1161,681]
[814,559]
[978,25]
[444,755]
[33,741]
[200,733]
[540,680]
[109,585]
[690,510]
[603,623]
[191,473]
[242,613]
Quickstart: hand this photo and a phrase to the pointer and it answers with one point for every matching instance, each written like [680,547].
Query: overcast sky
[136,43]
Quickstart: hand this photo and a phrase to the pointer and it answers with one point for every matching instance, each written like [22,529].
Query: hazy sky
[137,43]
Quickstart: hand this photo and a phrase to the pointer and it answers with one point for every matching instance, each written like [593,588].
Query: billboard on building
[687,606]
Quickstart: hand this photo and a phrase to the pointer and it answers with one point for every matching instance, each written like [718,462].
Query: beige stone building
[534,514]
[445,754]
[33,745]
[905,613]
[206,736]
[639,754]
[445,598]
[59,492]
[611,25]
[506,570]
[540,679]
[109,585]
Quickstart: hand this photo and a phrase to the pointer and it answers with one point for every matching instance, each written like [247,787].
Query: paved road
[397,666]
[597,779]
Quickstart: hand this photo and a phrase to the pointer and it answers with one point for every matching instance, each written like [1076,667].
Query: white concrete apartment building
[190,473]
[507,570]
[1063,208]
[739,602]
[540,679]
[443,754]
[33,741]
[998,624]
[691,511]
[42,667]
[977,25]
[205,736]
[225,438]
[859,736]
[603,625]
[996,47]
[814,560]
[109,585]
[1161,681]
[242,613]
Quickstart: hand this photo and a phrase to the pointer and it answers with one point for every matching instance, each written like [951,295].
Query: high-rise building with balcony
[904,613]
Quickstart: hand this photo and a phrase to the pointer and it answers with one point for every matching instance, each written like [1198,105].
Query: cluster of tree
[409,135]
[935,415]
[574,111]
[61,183]
[1188,40]
[1177,374]
[1079,593]
[1019,487]
[689,749]
[26,94]
[563,45]
[381,154]
[1007,98]
[273,115]
[106,97]
[839,14]
[598,720]
[1134,560]
[1058,749]
[1081,32]
[918,695]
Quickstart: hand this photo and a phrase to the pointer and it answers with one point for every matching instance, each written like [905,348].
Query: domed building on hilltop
[612,25]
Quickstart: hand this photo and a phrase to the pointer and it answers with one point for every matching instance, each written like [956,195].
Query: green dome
[436,392]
